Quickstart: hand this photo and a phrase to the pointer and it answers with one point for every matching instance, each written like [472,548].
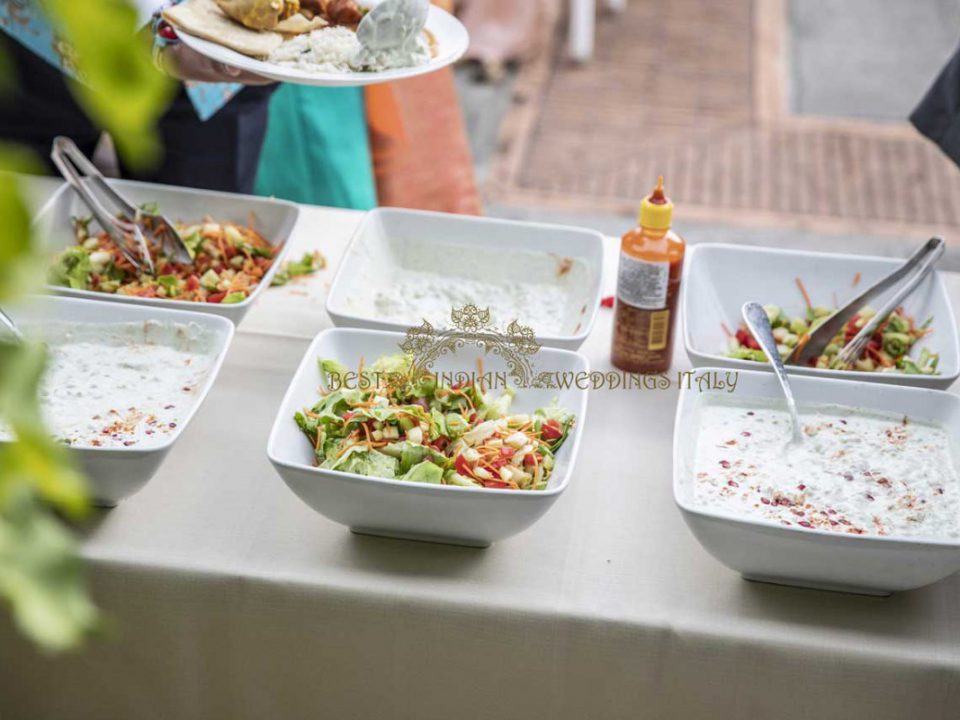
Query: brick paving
[694,90]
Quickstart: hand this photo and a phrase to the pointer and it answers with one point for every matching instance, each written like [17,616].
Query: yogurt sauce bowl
[869,504]
[122,383]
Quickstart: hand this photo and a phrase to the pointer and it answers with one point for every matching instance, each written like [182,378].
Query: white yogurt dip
[408,281]
[856,472]
[121,385]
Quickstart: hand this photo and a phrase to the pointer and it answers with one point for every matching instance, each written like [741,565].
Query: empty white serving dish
[719,279]
[275,220]
[470,249]
[768,551]
[434,513]
[115,473]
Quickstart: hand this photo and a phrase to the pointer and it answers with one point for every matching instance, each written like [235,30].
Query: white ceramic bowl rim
[949,322]
[825,535]
[590,317]
[172,315]
[172,303]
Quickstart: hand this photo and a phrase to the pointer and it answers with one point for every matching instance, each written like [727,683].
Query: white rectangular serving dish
[390,238]
[115,473]
[718,279]
[433,513]
[275,220]
[768,551]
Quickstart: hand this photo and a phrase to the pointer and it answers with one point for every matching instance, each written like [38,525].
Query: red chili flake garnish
[746,433]
[801,487]
[797,511]
[869,496]
[765,501]
[128,443]
[786,522]
[805,524]
[844,521]
[831,511]
[725,464]
[173,425]
[607,302]
[848,477]
[733,483]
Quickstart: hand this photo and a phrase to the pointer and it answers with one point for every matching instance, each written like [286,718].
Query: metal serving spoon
[759,325]
[392,24]
[7,322]
[821,336]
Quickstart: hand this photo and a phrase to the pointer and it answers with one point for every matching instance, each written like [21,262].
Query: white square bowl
[389,238]
[392,508]
[275,221]
[767,551]
[115,473]
[719,279]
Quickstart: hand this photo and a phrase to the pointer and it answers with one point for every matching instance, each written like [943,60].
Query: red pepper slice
[216,297]
[551,430]
[461,466]
[607,302]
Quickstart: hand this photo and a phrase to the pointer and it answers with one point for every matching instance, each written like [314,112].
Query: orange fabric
[421,156]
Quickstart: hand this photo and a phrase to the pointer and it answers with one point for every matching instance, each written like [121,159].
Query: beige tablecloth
[231,599]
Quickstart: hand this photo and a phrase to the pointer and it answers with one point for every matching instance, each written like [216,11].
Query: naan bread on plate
[205,20]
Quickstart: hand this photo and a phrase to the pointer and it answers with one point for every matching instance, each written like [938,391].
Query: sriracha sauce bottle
[648,285]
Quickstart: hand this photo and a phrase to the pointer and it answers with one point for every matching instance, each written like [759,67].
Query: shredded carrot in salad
[229,262]
[404,425]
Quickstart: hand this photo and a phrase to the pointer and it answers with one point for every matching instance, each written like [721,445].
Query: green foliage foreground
[41,576]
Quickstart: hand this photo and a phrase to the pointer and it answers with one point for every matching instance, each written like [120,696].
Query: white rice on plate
[337,50]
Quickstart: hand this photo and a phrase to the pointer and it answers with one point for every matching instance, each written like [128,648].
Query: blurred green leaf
[35,460]
[20,265]
[121,90]
[41,576]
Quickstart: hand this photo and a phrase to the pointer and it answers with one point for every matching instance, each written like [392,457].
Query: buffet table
[229,598]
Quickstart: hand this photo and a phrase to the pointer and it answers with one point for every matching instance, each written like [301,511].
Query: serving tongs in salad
[127,224]
[812,346]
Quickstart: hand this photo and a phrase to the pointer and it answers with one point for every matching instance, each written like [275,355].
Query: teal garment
[317,149]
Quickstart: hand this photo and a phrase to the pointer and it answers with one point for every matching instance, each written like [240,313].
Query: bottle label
[643,284]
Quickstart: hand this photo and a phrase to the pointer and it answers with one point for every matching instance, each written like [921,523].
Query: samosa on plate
[282,16]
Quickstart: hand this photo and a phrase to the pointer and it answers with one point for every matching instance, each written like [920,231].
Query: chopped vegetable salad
[887,351]
[404,425]
[230,261]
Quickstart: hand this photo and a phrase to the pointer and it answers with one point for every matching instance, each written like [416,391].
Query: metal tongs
[916,268]
[127,223]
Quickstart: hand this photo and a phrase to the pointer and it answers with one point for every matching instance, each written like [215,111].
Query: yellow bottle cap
[656,211]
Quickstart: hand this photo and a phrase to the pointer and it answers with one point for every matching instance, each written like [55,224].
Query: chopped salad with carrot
[229,262]
[887,351]
[403,425]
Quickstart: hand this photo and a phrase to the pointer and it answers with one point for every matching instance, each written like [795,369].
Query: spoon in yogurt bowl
[759,325]
[7,323]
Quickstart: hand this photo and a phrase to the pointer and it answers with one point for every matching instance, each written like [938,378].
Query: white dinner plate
[452,42]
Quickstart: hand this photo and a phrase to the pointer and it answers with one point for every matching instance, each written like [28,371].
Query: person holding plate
[212,132]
